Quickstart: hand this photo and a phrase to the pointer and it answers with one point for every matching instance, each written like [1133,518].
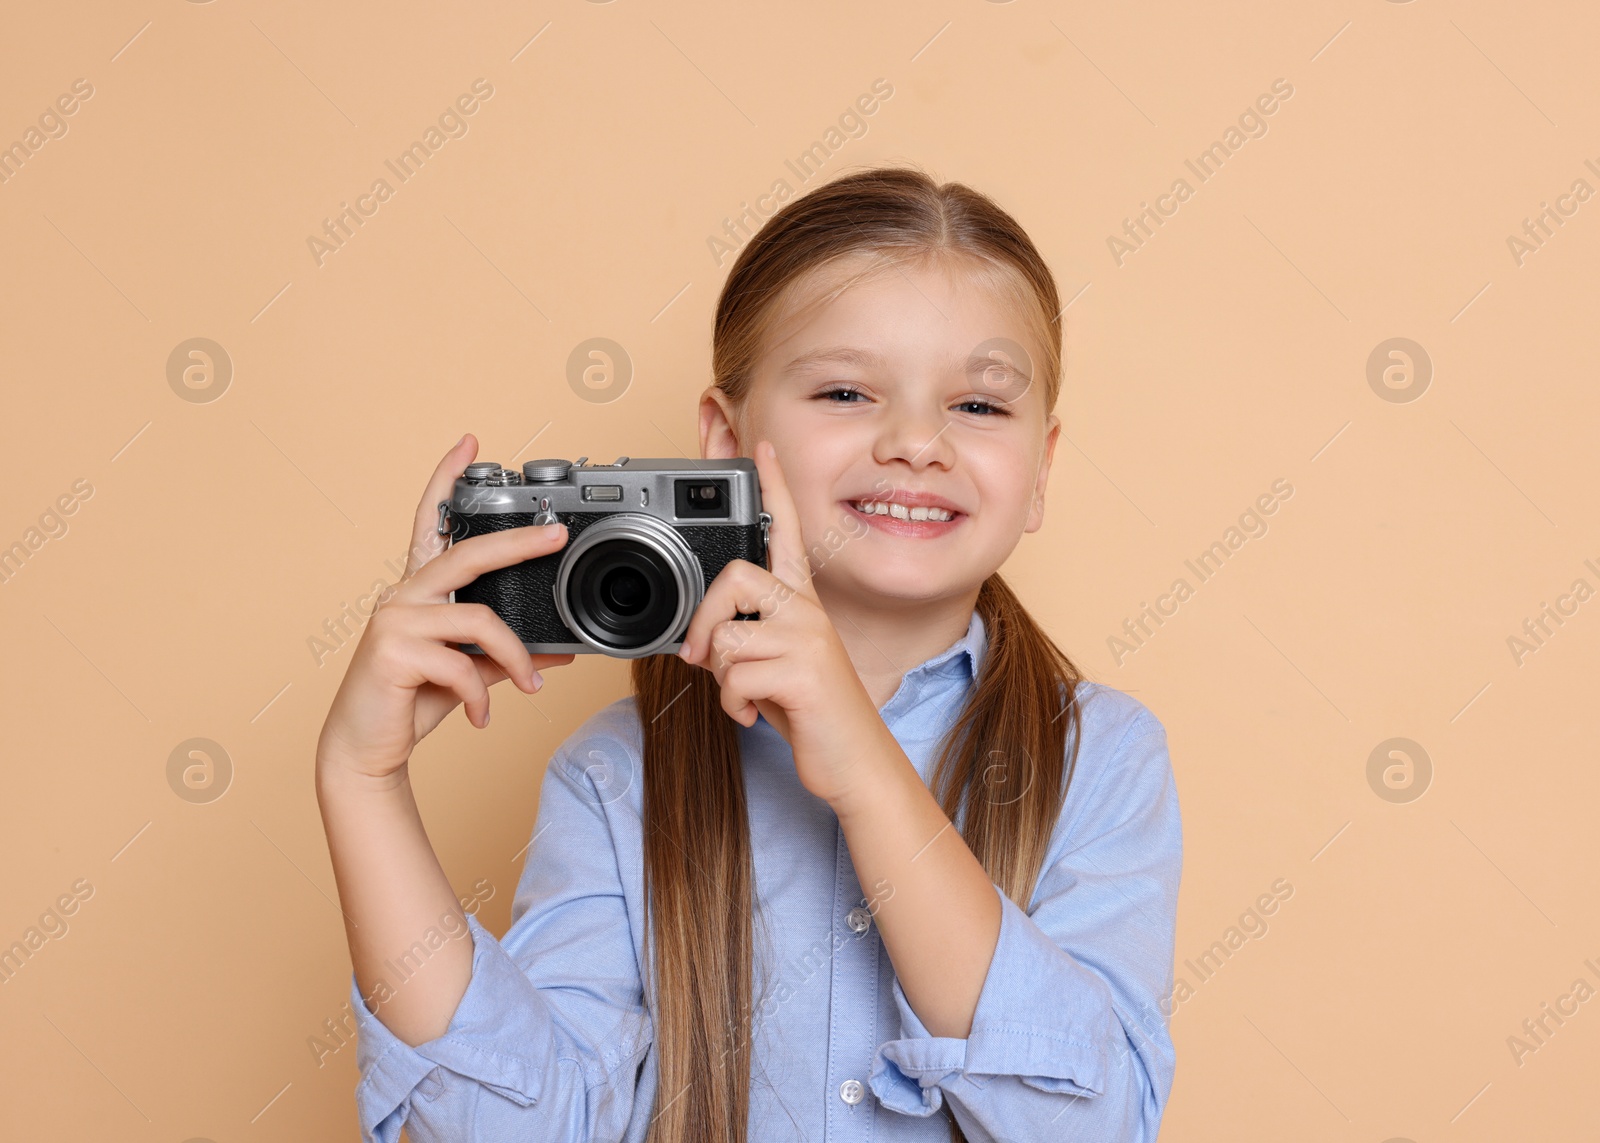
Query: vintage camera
[645,538]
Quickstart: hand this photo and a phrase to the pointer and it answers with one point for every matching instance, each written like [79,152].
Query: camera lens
[622,594]
[628,585]
[624,590]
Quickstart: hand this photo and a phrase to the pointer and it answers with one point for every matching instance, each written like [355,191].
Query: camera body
[645,538]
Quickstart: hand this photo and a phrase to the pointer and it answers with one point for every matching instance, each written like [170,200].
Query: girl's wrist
[877,780]
[339,778]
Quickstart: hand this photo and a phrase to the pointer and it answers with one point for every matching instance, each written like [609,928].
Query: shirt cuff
[500,1037]
[1041,1017]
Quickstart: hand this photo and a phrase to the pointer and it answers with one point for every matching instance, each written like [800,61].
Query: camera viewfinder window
[697,499]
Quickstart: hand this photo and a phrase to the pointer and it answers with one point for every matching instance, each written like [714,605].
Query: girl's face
[888,395]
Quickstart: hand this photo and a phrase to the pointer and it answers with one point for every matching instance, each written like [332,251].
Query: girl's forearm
[939,916]
[393,892]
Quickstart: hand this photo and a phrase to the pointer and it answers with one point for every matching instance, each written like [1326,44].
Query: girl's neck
[886,642]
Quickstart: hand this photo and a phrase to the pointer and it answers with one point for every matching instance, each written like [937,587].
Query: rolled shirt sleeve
[1069,1037]
[550,1038]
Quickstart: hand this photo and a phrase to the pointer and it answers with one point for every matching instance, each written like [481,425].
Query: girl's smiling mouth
[915,514]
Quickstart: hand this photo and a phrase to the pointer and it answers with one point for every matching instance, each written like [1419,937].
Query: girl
[878,865]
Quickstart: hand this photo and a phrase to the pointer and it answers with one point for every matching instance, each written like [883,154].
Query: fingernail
[683,651]
[538,680]
[458,443]
[553,531]
[486,717]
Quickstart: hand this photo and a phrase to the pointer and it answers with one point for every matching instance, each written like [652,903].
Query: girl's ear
[1036,510]
[719,438]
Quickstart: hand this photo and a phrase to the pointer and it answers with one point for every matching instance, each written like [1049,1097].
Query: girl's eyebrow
[838,354]
[979,366]
[976,366]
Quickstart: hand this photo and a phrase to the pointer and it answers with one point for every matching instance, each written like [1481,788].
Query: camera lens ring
[677,560]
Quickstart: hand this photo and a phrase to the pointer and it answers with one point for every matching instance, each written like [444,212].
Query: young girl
[879,865]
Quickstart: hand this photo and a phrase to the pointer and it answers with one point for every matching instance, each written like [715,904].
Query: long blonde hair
[1003,769]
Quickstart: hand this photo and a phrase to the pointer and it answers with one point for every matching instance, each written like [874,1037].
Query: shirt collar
[971,646]
[956,666]
[963,658]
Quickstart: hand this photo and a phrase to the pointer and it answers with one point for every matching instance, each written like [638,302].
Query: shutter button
[851,1092]
[859,920]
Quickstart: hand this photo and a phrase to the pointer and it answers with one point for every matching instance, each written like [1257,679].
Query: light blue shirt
[552,1040]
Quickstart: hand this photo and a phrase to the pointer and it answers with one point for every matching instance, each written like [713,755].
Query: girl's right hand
[405,675]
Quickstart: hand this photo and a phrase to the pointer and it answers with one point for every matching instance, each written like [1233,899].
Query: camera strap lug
[444,527]
[766,524]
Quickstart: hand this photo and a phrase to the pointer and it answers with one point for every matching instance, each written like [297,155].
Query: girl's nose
[915,435]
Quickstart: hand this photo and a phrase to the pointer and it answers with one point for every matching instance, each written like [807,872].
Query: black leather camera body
[645,538]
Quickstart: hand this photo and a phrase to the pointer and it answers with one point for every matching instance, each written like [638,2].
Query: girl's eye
[845,395]
[984,408]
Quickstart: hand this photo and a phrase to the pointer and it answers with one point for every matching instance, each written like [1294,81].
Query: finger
[489,671]
[474,623]
[786,551]
[469,559]
[744,640]
[739,588]
[493,672]
[743,685]
[426,543]
[452,670]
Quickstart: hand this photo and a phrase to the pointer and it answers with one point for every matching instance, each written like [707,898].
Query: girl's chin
[890,581]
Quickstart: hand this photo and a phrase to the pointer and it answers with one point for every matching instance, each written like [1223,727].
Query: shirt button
[859,920]
[851,1092]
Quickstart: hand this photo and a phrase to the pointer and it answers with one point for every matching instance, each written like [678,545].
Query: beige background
[1229,352]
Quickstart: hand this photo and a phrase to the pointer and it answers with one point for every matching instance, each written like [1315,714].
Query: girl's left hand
[790,665]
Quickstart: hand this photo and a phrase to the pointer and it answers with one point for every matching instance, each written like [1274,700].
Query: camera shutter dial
[545,471]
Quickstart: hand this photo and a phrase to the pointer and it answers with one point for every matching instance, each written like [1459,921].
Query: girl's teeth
[901,512]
